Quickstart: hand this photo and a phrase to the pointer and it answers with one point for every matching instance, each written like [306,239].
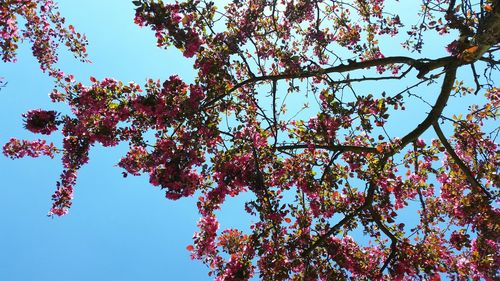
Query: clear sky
[117,229]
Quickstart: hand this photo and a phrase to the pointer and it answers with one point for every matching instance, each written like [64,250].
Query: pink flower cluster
[64,194]
[205,239]
[20,148]
[44,28]
[41,121]
[172,23]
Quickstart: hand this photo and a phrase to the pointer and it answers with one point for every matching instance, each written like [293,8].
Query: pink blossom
[41,121]
[21,148]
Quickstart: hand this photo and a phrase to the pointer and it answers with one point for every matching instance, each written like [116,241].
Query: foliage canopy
[336,162]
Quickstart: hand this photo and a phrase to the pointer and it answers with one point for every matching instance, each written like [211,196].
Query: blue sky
[117,229]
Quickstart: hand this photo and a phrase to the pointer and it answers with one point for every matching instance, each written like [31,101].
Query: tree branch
[321,240]
[424,66]
[394,241]
[468,174]
[333,147]
[437,109]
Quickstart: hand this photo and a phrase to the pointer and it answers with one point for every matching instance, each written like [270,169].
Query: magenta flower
[41,121]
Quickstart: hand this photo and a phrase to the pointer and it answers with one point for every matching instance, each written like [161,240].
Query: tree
[332,165]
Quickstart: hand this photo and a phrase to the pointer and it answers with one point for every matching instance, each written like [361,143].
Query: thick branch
[337,148]
[422,65]
[437,109]
[488,32]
